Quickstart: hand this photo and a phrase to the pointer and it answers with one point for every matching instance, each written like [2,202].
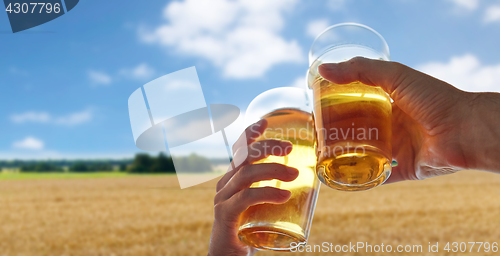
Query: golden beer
[353,121]
[277,226]
[353,124]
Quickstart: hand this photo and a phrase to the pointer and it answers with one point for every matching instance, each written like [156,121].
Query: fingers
[256,151]
[421,96]
[240,151]
[253,173]
[368,71]
[251,133]
[230,209]
[264,148]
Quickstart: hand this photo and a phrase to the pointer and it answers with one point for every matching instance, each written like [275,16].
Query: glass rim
[292,94]
[385,51]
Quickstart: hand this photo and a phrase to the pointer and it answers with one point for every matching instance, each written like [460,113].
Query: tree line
[141,163]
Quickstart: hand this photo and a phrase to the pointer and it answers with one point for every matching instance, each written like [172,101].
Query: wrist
[482,137]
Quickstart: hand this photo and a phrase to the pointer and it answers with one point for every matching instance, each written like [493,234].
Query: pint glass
[281,227]
[353,121]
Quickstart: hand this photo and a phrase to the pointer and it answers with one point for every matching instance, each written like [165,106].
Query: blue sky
[65,84]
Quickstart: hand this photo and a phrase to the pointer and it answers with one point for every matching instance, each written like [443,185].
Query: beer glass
[353,121]
[281,227]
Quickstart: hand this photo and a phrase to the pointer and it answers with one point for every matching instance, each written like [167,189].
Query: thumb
[417,94]
[368,71]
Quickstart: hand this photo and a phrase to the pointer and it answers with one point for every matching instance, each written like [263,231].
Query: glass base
[271,237]
[354,173]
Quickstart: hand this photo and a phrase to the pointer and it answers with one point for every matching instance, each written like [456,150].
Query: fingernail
[284,193]
[287,146]
[260,122]
[328,66]
[291,170]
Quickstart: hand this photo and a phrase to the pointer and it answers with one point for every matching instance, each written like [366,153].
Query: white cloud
[241,37]
[141,72]
[299,82]
[468,5]
[44,117]
[29,143]
[315,27]
[74,118]
[492,14]
[35,117]
[45,154]
[466,72]
[99,78]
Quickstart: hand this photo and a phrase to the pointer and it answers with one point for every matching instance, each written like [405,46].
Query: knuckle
[355,61]
[243,174]
[217,198]
[359,62]
[219,210]
[400,72]
[396,66]
[219,186]
[245,194]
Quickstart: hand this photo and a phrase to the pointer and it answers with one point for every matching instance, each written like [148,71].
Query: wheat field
[150,215]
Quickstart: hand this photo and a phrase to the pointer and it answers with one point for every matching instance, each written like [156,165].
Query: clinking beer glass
[281,227]
[353,121]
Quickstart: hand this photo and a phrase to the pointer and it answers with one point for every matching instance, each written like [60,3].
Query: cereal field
[149,215]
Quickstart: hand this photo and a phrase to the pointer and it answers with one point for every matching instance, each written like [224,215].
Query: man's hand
[435,126]
[234,194]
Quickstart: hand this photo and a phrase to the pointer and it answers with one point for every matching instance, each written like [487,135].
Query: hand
[437,129]
[234,194]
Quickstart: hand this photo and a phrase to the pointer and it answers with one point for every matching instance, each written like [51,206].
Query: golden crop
[150,215]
